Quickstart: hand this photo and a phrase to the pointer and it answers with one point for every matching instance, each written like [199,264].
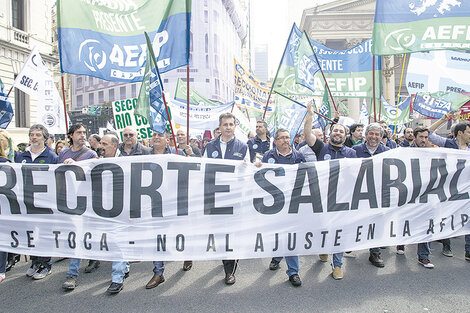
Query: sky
[271,21]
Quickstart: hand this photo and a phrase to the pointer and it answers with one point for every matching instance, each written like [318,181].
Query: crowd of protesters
[356,141]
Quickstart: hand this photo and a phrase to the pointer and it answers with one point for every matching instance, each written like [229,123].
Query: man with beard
[372,146]
[260,143]
[409,137]
[226,146]
[284,154]
[77,152]
[38,152]
[334,149]
[386,136]
[355,135]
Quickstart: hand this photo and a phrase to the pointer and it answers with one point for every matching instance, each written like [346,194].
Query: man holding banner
[226,146]
[460,141]
[39,153]
[284,154]
[334,149]
[77,152]
[373,146]
[120,270]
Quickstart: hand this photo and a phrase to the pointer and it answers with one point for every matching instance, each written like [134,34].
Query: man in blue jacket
[226,146]
[373,146]
[461,141]
[39,153]
[284,154]
[334,149]
[260,143]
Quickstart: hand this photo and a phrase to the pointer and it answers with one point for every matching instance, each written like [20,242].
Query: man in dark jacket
[260,143]
[372,146]
[334,149]
[226,146]
[284,154]
[130,146]
[409,137]
[38,152]
[355,135]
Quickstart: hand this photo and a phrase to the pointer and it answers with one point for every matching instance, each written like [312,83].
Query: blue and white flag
[105,39]
[6,111]
[364,114]
[150,102]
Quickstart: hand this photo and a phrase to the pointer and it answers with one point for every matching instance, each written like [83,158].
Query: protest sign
[126,209]
[123,111]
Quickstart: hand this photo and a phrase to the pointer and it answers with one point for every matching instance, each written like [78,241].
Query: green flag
[194,96]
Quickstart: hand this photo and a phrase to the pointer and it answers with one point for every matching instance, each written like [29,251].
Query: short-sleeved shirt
[67,153]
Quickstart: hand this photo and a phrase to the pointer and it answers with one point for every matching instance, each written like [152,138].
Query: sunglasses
[128,135]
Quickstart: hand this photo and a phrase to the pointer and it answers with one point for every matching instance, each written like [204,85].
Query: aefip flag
[404,26]
[150,102]
[435,105]
[389,114]
[105,39]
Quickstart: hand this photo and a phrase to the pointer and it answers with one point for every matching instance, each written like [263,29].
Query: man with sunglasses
[130,146]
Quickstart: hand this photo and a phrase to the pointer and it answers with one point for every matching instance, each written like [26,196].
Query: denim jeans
[42,261]
[119,270]
[445,242]
[3,261]
[158,267]
[292,264]
[467,243]
[423,250]
[74,266]
[338,259]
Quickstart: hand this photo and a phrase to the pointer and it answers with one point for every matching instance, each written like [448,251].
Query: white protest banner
[123,111]
[200,117]
[138,209]
[36,80]
[438,71]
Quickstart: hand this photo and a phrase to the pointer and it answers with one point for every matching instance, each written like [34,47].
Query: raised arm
[309,137]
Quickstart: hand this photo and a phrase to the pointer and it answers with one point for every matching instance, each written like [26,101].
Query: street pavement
[402,285]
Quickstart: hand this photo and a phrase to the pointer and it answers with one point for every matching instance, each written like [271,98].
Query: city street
[402,285]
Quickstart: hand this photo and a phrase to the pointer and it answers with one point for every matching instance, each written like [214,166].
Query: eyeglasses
[283,138]
[128,135]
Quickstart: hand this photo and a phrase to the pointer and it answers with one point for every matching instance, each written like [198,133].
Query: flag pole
[65,105]
[301,104]
[373,86]
[399,89]
[169,120]
[324,78]
[187,106]
[9,91]
[188,44]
